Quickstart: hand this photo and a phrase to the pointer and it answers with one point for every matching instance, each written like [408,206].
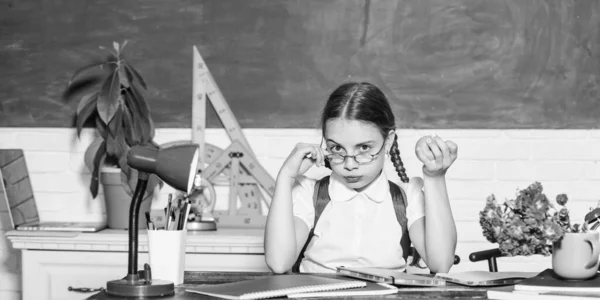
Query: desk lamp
[176,166]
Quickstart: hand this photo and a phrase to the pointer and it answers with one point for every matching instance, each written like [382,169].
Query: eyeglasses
[362,158]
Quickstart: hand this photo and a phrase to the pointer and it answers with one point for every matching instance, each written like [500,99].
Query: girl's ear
[389,140]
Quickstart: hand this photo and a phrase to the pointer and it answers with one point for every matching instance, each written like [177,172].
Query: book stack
[549,286]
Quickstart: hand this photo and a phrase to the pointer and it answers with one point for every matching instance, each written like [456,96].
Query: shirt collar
[378,191]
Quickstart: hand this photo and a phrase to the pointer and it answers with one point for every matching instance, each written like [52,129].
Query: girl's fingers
[325,152]
[425,155]
[320,156]
[429,164]
[446,161]
[437,153]
[422,142]
[314,153]
[453,149]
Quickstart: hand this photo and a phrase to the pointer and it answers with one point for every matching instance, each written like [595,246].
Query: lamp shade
[175,165]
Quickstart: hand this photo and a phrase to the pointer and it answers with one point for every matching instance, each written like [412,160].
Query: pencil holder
[166,249]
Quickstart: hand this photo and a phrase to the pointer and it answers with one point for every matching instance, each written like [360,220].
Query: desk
[454,292]
[54,261]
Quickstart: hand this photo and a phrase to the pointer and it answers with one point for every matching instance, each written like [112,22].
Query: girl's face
[351,137]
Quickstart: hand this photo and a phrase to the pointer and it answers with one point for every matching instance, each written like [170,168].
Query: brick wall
[490,161]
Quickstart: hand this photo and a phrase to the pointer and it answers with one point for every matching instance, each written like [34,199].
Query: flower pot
[118,201]
[575,255]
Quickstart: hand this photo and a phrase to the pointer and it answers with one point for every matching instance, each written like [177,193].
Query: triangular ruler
[244,172]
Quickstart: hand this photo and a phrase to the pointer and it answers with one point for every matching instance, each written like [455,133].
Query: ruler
[237,161]
[209,87]
[199,108]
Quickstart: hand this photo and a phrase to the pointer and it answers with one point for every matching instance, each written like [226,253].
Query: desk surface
[454,292]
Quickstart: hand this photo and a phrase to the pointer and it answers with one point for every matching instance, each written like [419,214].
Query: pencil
[182,216]
[188,206]
[149,223]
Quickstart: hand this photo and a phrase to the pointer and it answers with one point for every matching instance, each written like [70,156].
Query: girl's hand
[436,154]
[301,159]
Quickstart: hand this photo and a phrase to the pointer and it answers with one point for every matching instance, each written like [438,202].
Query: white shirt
[356,228]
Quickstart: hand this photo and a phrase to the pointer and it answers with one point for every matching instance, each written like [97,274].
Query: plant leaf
[81,86]
[152,131]
[143,116]
[92,158]
[116,47]
[101,127]
[128,182]
[100,154]
[91,151]
[128,72]
[139,120]
[129,126]
[85,109]
[123,77]
[135,73]
[139,101]
[85,100]
[108,98]
[79,71]
[115,125]
[124,44]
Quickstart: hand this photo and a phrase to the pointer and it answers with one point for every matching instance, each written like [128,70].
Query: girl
[358,226]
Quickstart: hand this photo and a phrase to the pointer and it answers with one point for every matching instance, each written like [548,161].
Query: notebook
[16,194]
[390,276]
[275,286]
[548,281]
[485,278]
[371,289]
[523,295]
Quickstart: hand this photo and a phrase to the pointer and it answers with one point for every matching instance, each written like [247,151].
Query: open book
[485,278]
[390,276]
[275,286]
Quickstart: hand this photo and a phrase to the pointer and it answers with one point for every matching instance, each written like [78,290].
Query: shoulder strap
[399,201]
[321,197]
[320,200]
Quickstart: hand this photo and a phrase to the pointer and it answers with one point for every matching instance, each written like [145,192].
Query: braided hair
[364,102]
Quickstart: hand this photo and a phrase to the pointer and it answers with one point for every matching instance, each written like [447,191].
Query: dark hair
[364,102]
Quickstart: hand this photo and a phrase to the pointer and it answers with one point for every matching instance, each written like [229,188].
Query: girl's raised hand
[436,154]
[301,159]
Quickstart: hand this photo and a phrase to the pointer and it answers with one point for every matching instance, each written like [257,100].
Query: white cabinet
[88,260]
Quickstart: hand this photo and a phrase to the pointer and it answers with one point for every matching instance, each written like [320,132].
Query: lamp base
[201,226]
[134,286]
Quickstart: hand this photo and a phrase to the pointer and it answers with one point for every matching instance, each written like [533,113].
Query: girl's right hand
[301,159]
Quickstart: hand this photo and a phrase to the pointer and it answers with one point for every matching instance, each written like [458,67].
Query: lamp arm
[134,215]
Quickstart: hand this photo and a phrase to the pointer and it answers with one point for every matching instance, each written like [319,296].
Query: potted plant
[111,100]
[529,224]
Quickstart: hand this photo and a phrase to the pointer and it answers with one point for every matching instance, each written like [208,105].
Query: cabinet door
[49,274]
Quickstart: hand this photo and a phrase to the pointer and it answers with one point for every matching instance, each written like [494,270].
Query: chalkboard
[443,64]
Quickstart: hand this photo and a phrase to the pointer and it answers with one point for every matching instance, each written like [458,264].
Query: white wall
[490,161]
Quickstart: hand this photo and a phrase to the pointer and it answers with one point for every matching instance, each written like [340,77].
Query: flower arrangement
[528,224]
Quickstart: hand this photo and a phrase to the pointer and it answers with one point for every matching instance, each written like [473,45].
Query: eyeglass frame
[344,157]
